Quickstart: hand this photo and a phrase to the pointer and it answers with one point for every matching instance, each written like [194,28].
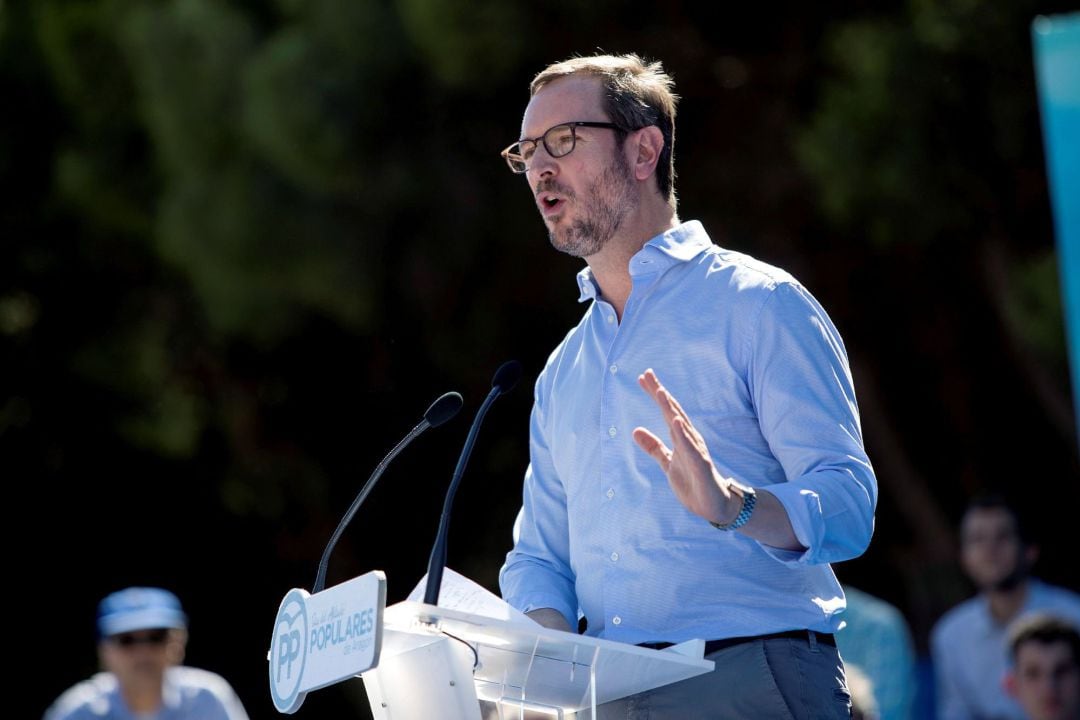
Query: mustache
[550,185]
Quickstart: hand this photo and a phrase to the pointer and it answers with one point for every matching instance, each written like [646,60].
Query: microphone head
[443,409]
[507,376]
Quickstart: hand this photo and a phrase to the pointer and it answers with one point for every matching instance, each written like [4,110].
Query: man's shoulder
[88,699]
[191,679]
[741,271]
[204,694]
[1054,598]
[746,287]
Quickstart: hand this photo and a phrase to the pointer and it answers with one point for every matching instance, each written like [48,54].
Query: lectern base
[431,680]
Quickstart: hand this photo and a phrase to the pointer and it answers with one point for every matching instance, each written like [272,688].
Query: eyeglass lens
[147,637]
[558,141]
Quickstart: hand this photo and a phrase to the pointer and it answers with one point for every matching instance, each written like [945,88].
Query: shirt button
[610,493]
[611,318]
[614,369]
[614,557]
[612,431]
[616,620]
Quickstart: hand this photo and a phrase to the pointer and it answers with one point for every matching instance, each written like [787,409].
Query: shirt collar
[681,243]
[171,696]
[1033,601]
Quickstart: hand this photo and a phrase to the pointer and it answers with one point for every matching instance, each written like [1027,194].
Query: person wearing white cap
[142,636]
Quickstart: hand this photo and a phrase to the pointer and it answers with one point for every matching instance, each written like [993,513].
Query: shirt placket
[616,443]
[607,486]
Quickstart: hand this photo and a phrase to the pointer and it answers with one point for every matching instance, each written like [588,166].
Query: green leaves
[461,40]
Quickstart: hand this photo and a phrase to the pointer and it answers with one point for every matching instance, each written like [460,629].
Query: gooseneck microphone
[506,377]
[440,411]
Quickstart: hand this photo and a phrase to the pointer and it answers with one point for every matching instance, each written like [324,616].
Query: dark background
[244,245]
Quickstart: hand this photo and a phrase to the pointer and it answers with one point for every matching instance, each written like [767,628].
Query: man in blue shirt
[696,460]
[969,644]
[143,634]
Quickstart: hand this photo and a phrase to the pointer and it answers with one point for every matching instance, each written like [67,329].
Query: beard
[1012,580]
[605,205]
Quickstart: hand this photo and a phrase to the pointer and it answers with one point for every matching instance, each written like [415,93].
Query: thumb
[654,446]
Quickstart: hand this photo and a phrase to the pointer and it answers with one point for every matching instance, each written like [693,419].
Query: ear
[646,146]
[176,648]
[1008,682]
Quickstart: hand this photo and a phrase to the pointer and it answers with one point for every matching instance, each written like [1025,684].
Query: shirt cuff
[534,601]
[797,502]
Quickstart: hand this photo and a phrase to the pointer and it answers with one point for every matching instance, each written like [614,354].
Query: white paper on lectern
[458,592]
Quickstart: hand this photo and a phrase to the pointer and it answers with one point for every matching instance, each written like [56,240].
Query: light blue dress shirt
[762,372]
[187,694]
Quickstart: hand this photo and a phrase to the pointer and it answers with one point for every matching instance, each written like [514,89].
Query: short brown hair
[637,94]
[1045,629]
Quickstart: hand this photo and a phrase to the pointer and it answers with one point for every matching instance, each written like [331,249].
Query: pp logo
[288,652]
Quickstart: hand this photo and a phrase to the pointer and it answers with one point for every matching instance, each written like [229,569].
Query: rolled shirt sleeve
[801,383]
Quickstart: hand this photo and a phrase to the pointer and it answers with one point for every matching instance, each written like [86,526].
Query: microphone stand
[505,378]
[440,411]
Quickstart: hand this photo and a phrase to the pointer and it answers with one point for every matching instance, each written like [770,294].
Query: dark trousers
[784,678]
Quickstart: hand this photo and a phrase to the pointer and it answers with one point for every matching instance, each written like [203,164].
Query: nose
[541,164]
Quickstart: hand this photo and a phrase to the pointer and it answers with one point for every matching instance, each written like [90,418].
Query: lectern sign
[321,639]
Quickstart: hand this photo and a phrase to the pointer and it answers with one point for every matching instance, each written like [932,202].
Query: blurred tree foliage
[244,244]
[927,137]
[925,146]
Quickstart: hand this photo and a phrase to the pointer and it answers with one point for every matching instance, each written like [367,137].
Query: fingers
[651,384]
[654,446]
[667,402]
[684,435]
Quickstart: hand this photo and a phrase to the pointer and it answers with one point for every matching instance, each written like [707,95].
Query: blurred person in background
[876,638]
[142,637]
[863,702]
[1045,673]
[968,644]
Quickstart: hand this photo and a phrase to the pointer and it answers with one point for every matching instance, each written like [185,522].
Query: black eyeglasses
[559,141]
[146,637]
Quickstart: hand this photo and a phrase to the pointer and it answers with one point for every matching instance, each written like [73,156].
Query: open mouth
[550,203]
